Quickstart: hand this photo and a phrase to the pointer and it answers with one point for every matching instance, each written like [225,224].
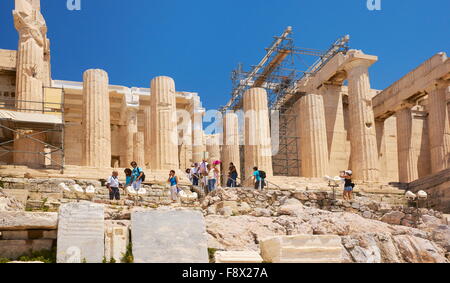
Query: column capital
[356,59]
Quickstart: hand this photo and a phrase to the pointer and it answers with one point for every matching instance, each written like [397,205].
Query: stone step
[317,253]
[313,260]
[324,241]
[302,249]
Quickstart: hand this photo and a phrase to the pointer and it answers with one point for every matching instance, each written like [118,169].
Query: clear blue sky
[199,42]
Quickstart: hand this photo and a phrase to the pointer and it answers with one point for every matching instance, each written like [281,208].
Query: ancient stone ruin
[60,140]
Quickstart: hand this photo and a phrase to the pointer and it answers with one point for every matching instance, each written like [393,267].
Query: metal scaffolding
[30,122]
[283,66]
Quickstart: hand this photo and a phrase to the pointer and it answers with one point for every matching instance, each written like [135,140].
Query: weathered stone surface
[169,236]
[441,236]
[19,195]
[81,233]
[117,238]
[29,235]
[21,220]
[394,218]
[237,257]
[13,249]
[8,203]
[418,250]
[246,232]
[302,249]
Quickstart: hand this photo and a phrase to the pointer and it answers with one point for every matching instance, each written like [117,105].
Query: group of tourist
[209,178]
[134,179]
[205,175]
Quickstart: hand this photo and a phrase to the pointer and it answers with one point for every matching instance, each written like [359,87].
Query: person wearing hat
[349,185]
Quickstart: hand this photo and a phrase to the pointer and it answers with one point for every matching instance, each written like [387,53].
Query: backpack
[143,174]
[262,174]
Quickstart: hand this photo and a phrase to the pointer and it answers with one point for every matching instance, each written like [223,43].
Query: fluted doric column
[408,153]
[213,148]
[147,134]
[313,136]
[198,147]
[258,143]
[138,149]
[230,147]
[32,68]
[129,130]
[96,120]
[362,122]
[439,128]
[164,139]
[31,77]
[338,145]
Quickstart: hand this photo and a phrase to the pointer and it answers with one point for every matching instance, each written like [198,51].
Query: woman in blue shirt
[173,180]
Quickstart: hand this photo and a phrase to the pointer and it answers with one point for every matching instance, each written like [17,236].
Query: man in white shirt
[113,184]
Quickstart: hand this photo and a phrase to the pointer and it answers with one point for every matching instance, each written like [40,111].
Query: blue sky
[199,42]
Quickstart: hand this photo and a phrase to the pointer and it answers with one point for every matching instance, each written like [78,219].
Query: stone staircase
[302,249]
[84,173]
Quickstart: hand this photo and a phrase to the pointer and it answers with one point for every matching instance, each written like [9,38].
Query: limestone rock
[169,236]
[441,236]
[8,203]
[418,250]
[21,220]
[394,218]
[81,233]
[302,249]
[237,257]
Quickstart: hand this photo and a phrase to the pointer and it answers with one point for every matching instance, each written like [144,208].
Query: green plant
[128,256]
[211,253]
[4,260]
[45,256]
[112,260]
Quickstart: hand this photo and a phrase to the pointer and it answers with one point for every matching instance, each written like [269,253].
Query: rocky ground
[236,225]
[371,231]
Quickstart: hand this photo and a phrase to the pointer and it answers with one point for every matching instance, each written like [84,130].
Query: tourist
[173,180]
[212,177]
[232,176]
[137,176]
[204,173]
[259,178]
[128,177]
[348,185]
[189,174]
[113,186]
[195,174]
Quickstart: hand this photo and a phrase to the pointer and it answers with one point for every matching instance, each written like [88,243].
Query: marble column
[198,146]
[30,75]
[96,120]
[313,136]
[362,122]
[31,68]
[139,152]
[230,148]
[147,134]
[164,138]
[408,153]
[439,128]
[213,148]
[258,144]
[129,131]
[336,133]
